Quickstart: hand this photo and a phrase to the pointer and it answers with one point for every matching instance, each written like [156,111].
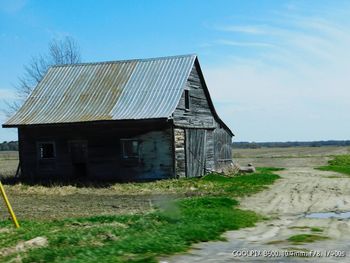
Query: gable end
[199,111]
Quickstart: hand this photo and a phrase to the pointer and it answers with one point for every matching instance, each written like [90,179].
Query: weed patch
[306,238]
[340,164]
[316,229]
[244,184]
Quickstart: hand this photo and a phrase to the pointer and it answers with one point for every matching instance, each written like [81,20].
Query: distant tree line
[254,145]
[9,146]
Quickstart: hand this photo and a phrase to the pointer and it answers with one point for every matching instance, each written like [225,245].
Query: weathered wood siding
[209,158]
[222,148]
[192,159]
[210,155]
[104,161]
[195,152]
[199,114]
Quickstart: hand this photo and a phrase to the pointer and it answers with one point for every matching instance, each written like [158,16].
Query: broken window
[130,149]
[187,99]
[46,150]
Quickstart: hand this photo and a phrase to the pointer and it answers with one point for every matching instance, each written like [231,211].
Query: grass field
[59,202]
[340,164]
[130,238]
[134,222]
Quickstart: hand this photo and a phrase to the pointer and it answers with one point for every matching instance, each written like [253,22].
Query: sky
[276,70]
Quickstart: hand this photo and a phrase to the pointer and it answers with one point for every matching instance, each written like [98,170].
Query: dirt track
[301,190]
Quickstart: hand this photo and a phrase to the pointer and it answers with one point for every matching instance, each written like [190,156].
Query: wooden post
[9,207]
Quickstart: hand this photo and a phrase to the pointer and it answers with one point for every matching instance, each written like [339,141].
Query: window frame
[39,146]
[124,155]
[187,100]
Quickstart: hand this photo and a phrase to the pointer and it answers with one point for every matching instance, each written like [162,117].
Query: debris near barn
[247,169]
[132,120]
[231,170]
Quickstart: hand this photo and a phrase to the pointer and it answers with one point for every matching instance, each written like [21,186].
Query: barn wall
[105,160]
[195,152]
[199,114]
[210,160]
[217,147]
[222,148]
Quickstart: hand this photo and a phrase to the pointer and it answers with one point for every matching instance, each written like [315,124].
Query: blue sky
[276,70]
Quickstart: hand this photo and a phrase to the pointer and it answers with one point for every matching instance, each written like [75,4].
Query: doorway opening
[79,156]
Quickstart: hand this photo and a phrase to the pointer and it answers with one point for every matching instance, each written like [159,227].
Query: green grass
[316,229]
[244,184]
[132,238]
[312,229]
[340,164]
[306,238]
[171,228]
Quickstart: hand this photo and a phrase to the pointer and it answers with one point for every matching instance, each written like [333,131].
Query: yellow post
[9,207]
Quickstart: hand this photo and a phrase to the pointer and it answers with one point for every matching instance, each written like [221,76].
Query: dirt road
[301,190]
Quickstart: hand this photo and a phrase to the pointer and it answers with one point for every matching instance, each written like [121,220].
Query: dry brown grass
[41,202]
[8,163]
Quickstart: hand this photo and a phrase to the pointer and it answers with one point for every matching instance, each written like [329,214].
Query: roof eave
[82,122]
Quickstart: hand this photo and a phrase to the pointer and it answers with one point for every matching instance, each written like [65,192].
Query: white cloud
[296,89]
[248,29]
[243,44]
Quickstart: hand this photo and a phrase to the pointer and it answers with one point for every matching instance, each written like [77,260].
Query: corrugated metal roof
[118,90]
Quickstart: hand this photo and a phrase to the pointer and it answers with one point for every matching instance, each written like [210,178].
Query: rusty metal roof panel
[154,89]
[118,90]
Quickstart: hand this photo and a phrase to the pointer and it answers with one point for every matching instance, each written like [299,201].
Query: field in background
[288,157]
[8,163]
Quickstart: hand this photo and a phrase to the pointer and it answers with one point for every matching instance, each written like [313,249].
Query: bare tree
[63,51]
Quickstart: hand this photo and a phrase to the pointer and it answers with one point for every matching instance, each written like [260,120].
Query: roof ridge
[124,61]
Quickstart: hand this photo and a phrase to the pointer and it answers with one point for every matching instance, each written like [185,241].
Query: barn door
[79,155]
[195,152]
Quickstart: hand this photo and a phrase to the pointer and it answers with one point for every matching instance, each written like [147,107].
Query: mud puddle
[324,215]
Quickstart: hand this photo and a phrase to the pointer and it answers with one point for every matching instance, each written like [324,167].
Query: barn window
[130,148]
[187,99]
[46,150]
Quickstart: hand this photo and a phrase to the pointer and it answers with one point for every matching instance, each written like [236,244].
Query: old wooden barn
[130,120]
